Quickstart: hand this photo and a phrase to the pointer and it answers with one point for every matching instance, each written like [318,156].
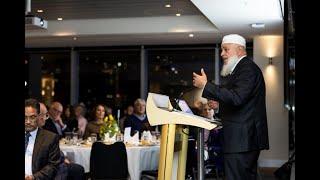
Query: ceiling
[94,9]
[149,22]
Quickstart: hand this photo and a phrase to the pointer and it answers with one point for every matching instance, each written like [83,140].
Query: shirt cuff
[64,127]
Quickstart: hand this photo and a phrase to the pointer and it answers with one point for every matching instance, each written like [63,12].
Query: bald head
[43,116]
[55,110]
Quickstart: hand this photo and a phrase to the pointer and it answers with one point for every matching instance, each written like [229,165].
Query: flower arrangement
[110,126]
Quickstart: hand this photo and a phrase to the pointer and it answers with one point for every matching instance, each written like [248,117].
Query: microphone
[181,95]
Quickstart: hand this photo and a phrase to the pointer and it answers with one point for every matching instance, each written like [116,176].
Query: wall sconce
[270,60]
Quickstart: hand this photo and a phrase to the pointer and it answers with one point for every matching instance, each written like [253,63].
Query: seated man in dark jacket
[138,121]
[54,123]
[42,153]
[66,169]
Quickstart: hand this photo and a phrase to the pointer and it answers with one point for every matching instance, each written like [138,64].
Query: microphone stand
[200,154]
[200,144]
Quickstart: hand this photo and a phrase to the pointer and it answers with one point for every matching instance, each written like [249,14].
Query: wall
[277,114]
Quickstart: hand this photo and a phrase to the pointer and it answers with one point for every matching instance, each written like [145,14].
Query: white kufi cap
[234,39]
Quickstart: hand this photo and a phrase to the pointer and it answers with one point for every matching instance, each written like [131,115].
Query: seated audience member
[96,121]
[42,153]
[66,169]
[108,111]
[54,123]
[80,112]
[208,112]
[213,138]
[68,116]
[138,121]
[127,112]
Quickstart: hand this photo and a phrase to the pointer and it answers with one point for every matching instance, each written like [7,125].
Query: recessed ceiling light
[258,25]
[178,14]
[39,10]
[167,5]
[59,19]
[190,35]
[74,38]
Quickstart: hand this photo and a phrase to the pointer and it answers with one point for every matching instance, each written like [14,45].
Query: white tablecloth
[140,158]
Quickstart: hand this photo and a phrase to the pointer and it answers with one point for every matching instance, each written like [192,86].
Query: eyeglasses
[31,118]
[56,110]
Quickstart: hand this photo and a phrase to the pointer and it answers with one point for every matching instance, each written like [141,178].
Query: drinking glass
[119,137]
[68,136]
[93,137]
[74,138]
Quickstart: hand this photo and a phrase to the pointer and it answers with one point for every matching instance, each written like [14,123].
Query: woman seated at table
[96,122]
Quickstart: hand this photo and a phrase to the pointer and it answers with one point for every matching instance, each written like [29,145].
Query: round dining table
[139,157]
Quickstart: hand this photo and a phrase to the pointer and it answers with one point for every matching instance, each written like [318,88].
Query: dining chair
[108,162]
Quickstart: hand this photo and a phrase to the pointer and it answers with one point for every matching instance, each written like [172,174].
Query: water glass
[68,136]
[93,137]
[119,137]
[74,138]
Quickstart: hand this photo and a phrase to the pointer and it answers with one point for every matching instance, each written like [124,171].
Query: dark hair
[70,107]
[93,111]
[32,103]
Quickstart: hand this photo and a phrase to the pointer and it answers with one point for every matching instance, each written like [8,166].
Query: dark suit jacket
[49,125]
[46,155]
[242,108]
[137,125]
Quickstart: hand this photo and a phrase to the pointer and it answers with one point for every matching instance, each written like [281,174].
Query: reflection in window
[170,71]
[112,78]
[55,80]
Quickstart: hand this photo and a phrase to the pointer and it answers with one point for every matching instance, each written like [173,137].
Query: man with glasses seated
[42,153]
[54,123]
[66,169]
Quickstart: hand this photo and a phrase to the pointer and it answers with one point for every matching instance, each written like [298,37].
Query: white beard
[226,69]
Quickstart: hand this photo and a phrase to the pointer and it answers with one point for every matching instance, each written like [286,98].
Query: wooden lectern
[161,112]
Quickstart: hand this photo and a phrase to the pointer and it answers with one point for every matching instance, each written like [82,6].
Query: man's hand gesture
[199,81]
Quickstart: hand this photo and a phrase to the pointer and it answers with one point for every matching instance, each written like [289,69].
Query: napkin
[126,135]
[146,135]
[135,138]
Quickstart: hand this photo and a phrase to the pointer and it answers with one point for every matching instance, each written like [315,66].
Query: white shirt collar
[33,133]
[141,117]
[237,63]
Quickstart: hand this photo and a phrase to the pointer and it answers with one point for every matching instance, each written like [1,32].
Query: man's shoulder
[48,134]
[130,117]
[248,63]
[49,121]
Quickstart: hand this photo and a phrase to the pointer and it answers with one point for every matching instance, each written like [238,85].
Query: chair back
[108,161]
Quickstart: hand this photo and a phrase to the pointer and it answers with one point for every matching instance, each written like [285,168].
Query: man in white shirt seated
[42,153]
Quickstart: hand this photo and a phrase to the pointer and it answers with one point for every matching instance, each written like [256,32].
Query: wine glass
[68,136]
[93,137]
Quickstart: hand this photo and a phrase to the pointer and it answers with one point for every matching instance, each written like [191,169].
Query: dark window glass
[109,77]
[55,80]
[170,71]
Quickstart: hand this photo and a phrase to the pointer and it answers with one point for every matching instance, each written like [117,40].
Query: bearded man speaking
[242,108]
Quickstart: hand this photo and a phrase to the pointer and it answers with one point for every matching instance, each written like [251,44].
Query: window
[55,77]
[170,71]
[109,77]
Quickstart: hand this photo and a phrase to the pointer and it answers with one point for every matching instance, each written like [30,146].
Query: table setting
[142,153]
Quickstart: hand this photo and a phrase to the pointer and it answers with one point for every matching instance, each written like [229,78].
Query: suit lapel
[37,145]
